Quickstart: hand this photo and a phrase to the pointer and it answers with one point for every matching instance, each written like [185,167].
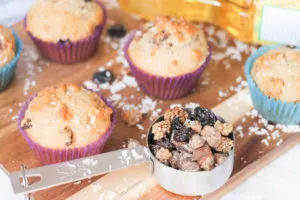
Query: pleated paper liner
[66,52]
[7,72]
[165,87]
[50,156]
[271,109]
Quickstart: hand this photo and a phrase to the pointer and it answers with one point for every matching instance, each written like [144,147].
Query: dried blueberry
[117,31]
[182,134]
[165,143]
[205,116]
[176,124]
[64,41]
[103,76]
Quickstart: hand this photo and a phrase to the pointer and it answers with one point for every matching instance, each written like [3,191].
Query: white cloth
[6,191]
[277,181]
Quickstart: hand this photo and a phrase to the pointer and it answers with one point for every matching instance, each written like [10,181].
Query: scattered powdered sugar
[148,104]
[176,105]
[14,118]
[109,195]
[288,128]
[135,155]
[28,84]
[234,52]
[238,86]
[139,126]
[266,142]
[279,142]
[77,182]
[129,81]
[96,187]
[70,168]
[90,161]
[143,136]
[268,132]
[124,158]
[191,105]
[32,61]
[239,130]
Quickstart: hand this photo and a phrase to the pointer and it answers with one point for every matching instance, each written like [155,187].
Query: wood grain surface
[14,150]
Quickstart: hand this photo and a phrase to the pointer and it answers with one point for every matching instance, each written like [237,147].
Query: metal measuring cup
[173,180]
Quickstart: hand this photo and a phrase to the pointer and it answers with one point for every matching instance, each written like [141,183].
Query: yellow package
[256,21]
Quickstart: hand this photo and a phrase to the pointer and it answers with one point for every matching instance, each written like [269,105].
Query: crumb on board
[132,117]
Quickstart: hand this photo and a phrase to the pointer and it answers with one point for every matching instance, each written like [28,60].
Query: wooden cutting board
[224,72]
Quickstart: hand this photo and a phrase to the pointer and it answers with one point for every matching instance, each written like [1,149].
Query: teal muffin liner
[271,109]
[7,72]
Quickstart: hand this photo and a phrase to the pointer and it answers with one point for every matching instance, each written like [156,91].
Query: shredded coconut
[139,126]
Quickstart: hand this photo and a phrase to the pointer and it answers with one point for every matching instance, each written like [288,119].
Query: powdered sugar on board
[269,132]
[33,64]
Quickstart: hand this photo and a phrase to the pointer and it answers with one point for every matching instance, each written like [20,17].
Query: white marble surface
[277,181]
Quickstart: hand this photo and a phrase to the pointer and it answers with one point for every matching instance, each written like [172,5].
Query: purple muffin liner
[70,52]
[51,156]
[165,87]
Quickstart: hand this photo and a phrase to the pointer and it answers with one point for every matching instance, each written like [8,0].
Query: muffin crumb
[132,117]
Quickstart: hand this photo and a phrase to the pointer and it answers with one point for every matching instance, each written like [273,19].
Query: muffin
[66,122]
[167,57]
[273,74]
[191,140]
[10,50]
[66,31]
[7,45]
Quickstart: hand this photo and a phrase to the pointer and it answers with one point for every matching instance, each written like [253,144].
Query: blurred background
[12,11]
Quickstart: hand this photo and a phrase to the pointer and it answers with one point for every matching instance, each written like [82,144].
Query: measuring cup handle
[75,170]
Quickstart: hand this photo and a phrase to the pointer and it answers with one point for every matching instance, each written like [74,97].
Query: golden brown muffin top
[277,74]
[66,116]
[7,45]
[169,47]
[73,20]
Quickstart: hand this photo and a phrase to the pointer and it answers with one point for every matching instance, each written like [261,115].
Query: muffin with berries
[191,140]
[168,56]
[273,74]
[66,31]
[10,50]
[66,122]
